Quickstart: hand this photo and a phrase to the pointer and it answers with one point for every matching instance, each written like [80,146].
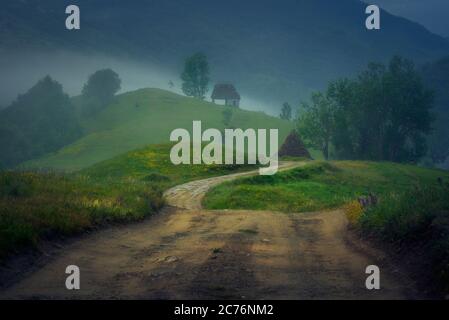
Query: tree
[40,121]
[316,123]
[389,112]
[195,77]
[436,76]
[407,103]
[345,114]
[101,88]
[286,112]
[383,114]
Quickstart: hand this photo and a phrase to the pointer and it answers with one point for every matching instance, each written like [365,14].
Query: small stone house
[226,92]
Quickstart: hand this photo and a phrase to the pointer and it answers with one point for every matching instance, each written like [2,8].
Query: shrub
[300,173]
[153,199]
[156,177]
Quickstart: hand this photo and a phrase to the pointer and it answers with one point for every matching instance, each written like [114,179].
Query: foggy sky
[25,69]
[73,69]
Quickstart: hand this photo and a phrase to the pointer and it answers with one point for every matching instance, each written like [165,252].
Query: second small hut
[226,92]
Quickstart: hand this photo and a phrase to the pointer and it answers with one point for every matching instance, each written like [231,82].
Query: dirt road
[186,252]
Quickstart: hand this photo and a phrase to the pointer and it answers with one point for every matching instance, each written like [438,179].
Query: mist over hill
[147,116]
[272,51]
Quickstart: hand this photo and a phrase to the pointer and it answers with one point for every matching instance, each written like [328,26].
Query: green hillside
[321,185]
[144,117]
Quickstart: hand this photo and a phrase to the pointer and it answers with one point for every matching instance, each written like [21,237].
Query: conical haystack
[293,147]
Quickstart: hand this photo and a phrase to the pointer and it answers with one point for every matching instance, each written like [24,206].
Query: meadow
[35,206]
[143,117]
[116,172]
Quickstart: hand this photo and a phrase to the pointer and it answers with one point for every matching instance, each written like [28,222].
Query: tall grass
[406,215]
[415,218]
[37,206]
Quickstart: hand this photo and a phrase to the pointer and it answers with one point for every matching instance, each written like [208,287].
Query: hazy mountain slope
[145,117]
[273,51]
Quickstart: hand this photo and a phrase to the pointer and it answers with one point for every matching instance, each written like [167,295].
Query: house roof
[225,91]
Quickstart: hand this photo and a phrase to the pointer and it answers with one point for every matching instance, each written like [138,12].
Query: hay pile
[294,147]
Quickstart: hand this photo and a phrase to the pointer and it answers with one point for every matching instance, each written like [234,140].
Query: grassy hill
[144,117]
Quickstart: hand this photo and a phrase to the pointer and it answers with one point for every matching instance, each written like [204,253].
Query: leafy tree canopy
[286,112]
[39,121]
[101,88]
[383,114]
[195,77]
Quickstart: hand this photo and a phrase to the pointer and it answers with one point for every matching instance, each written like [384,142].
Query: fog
[20,71]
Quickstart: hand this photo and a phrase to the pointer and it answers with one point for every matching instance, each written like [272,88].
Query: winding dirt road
[186,252]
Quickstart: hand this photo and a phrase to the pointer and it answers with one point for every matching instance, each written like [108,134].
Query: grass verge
[415,224]
[318,185]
